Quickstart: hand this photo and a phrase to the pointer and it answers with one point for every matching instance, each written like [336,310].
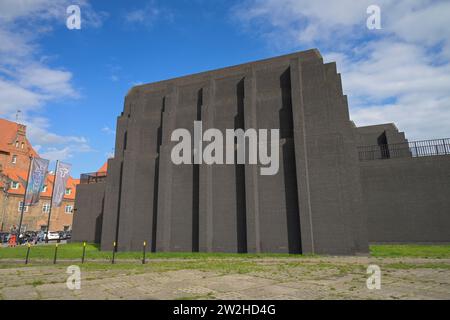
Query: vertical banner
[59,188]
[36,180]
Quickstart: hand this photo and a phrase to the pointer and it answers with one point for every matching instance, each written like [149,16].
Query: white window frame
[20,207]
[68,192]
[14,185]
[14,159]
[44,188]
[46,207]
[68,209]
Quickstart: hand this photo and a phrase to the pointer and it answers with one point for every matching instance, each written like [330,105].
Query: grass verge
[411,251]
[73,251]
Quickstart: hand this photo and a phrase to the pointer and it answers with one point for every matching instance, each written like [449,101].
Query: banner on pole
[59,188]
[36,180]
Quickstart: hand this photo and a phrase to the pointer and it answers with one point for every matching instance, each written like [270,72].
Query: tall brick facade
[316,203]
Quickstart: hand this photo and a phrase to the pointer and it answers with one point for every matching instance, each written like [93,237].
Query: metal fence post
[56,253]
[28,253]
[114,253]
[143,252]
[84,252]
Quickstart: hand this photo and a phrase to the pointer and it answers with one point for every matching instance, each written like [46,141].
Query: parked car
[53,235]
[26,237]
[40,237]
[4,236]
[65,235]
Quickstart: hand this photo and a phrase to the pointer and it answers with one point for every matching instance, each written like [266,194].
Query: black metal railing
[94,177]
[414,149]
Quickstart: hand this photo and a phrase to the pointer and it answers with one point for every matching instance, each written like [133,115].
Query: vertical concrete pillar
[301,159]
[251,171]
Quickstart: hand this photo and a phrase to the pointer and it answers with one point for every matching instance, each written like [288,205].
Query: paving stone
[300,280]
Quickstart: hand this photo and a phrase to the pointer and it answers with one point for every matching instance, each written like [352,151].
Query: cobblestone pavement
[283,278]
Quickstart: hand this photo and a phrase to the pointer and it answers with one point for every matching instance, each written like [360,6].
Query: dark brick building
[327,197]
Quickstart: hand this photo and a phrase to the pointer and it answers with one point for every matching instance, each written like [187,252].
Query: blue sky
[70,84]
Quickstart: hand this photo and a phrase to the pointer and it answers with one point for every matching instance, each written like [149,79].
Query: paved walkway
[307,278]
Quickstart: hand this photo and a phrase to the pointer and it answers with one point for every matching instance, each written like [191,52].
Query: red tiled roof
[104,167]
[8,134]
[8,131]
[20,176]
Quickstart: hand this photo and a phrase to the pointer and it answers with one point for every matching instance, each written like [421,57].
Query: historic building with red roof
[15,153]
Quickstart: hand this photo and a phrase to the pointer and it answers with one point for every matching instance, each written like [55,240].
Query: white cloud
[14,97]
[52,82]
[108,130]
[148,14]
[64,153]
[27,82]
[398,74]
[54,154]
[49,145]
[31,11]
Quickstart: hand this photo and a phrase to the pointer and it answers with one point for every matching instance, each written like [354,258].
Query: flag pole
[51,202]
[23,203]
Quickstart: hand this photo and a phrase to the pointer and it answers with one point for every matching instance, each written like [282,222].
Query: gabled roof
[104,167]
[9,132]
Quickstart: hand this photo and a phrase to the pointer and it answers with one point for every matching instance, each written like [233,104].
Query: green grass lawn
[73,251]
[410,250]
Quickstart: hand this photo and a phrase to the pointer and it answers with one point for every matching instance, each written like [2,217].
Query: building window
[20,207]
[68,209]
[66,228]
[46,207]
[22,145]
[17,144]
[44,228]
[14,185]
[14,159]
[68,192]
[44,188]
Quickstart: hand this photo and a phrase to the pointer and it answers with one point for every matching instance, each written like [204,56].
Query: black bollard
[84,252]
[28,254]
[114,253]
[143,252]
[56,253]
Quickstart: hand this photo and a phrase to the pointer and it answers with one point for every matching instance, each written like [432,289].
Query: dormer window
[68,192]
[14,159]
[44,189]
[14,185]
